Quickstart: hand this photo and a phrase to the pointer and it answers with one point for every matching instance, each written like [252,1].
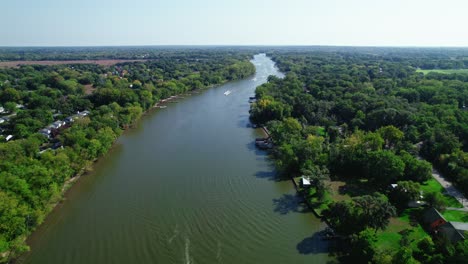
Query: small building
[57,124]
[2,110]
[2,120]
[46,132]
[433,219]
[9,137]
[305,182]
[70,119]
[415,204]
[83,113]
[449,232]
[57,145]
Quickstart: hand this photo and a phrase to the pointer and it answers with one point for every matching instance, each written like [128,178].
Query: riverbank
[88,167]
[173,191]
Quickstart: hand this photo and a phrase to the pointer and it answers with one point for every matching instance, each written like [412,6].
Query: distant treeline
[424,58]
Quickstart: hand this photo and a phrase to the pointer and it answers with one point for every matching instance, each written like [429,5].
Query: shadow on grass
[289,203]
[356,188]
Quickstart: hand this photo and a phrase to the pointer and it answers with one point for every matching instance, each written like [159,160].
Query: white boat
[227,92]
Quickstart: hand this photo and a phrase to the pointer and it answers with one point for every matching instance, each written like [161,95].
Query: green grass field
[444,71]
[390,238]
[434,186]
[456,216]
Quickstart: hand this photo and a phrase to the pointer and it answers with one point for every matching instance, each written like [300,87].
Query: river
[186,185]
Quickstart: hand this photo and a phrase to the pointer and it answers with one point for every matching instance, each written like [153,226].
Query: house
[433,219]
[415,204]
[57,145]
[305,182]
[57,124]
[70,119]
[83,113]
[2,110]
[46,132]
[449,232]
[437,224]
[9,137]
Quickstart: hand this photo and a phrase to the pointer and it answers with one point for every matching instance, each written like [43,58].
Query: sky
[237,22]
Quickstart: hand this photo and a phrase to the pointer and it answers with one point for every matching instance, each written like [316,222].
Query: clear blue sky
[237,22]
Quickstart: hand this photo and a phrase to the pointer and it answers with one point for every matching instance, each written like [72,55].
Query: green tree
[391,135]
[436,200]
[384,167]
[363,246]
[405,192]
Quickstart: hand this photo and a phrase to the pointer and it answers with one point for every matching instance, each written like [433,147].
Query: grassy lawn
[336,194]
[390,237]
[456,216]
[444,71]
[434,186]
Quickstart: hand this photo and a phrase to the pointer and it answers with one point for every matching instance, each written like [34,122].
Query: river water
[186,185]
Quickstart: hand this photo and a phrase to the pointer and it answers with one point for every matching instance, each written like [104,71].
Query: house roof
[432,215]
[305,181]
[449,231]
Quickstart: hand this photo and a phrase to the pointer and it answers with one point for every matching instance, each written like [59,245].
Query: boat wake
[176,232]
[218,253]
[188,259]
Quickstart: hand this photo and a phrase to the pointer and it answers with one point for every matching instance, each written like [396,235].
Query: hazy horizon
[366,23]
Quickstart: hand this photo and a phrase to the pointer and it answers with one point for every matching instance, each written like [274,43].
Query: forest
[57,120]
[366,127]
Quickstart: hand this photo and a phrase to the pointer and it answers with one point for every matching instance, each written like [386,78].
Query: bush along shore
[57,120]
[350,128]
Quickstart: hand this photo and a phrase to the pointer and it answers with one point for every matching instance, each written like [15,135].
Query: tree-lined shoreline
[31,180]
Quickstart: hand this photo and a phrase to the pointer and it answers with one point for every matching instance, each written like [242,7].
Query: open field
[433,186]
[15,64]
[444,71]
[457,216]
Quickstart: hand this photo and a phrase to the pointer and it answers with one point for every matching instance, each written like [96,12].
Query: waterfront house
[57,124]
[46,132]
[84,113]
[70,119]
